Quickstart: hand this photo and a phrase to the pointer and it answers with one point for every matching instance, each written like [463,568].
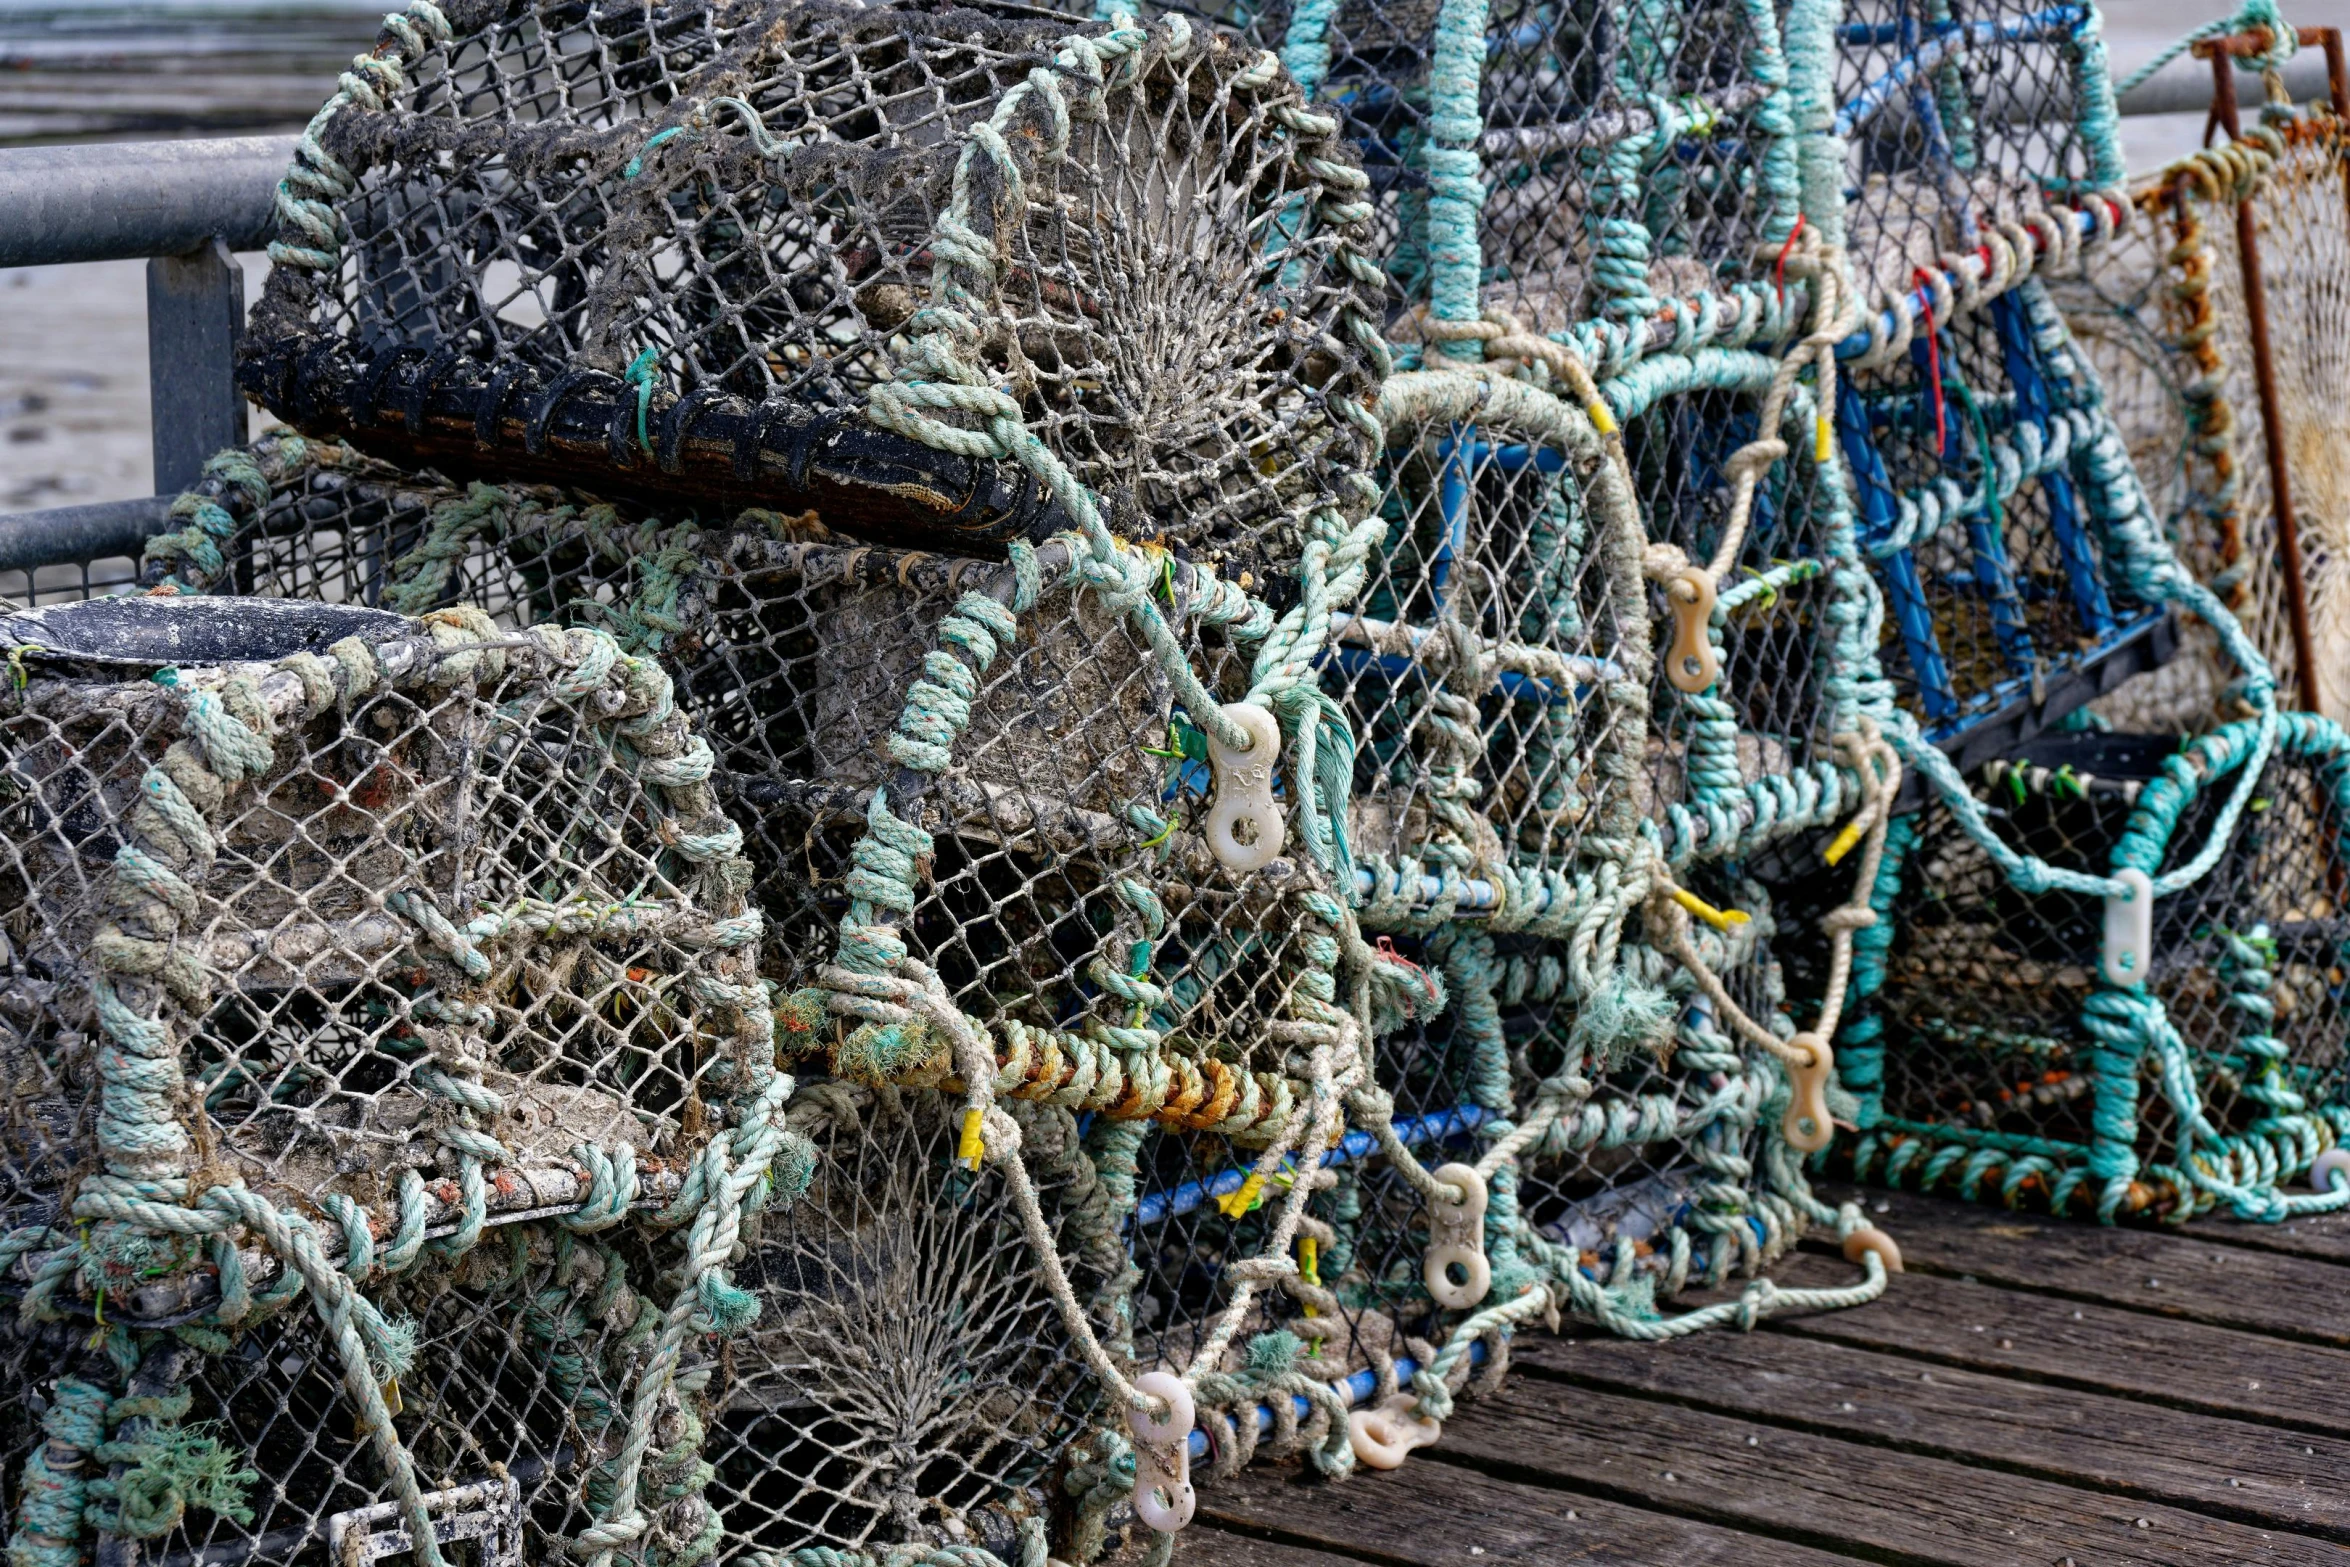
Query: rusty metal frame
[2223,53]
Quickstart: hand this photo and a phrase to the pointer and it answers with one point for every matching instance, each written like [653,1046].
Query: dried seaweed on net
[2011,1069]
[674,252]
[403,924]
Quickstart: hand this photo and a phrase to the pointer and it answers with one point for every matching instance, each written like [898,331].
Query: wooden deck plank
[1442,1515]
[1866,1500]
[2170,1273]
[1208,1546]
[2185,1365]
[2322,1237]
[2253,1474]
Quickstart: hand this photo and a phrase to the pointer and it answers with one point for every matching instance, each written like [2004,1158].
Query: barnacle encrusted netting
[2023,1060]
[398,973]
[679,254]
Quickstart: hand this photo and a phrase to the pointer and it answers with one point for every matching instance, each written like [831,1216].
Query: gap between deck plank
[2224,1468]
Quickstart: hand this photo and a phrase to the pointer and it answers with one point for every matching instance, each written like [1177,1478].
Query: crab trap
[2168,1053]
[2020,564]
[396,972]
[2260,230]
[680,254]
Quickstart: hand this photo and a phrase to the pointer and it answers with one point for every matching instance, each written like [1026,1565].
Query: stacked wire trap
[2017,556]
[2253,237]
[2065,1050]
[2077,1000]
[1067,786]
[398,973]
[1497,676]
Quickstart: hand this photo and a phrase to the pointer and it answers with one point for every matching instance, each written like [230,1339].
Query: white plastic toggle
[1806,1126]
[1163,1497]
[2332,1166]
[2129,931]
[1456,1239]
[1385,1436]
[1244,793]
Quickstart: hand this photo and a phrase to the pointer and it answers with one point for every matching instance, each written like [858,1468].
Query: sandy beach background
[73,339]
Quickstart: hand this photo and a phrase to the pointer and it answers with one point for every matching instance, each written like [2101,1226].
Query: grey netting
[678,251]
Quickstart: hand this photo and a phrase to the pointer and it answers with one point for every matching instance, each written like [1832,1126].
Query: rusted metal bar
[2219,51]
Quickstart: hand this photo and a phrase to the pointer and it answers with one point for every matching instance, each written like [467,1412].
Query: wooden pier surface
[2032,1390]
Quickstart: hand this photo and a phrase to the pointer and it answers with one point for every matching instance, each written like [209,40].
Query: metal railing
[186,205]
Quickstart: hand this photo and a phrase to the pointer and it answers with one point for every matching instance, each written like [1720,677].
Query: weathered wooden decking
[2031,1391]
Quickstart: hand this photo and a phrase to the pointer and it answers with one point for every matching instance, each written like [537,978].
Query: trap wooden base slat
[2171,1273]
[1989,1410]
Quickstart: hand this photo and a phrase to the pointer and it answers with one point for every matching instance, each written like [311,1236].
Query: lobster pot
[1961,120]
[413,957]
[686,284]
[1982,509]
[909,1379]
[2288,173]
[1495,664]
[2005,1064]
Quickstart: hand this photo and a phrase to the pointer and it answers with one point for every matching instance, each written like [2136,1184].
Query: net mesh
[1302,660]
[2011,1069]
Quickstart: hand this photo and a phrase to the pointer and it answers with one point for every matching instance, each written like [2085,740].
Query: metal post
[195,315]
[2220,51]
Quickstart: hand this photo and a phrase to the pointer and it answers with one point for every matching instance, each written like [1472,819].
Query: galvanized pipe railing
[184,206]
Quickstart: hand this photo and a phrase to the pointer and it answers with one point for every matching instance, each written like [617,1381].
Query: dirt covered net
[680,252]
